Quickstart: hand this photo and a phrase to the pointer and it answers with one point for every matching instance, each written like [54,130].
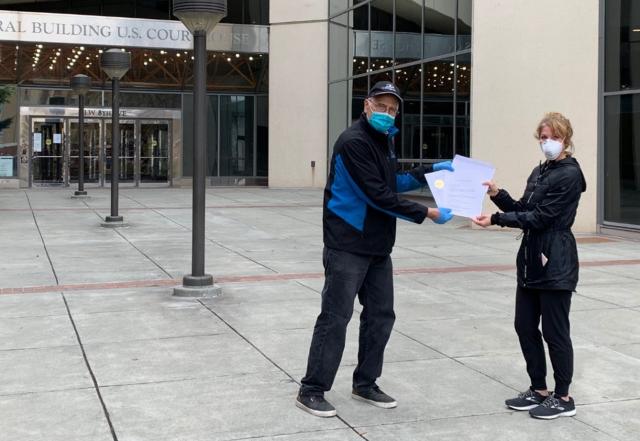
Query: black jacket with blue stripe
[361,201]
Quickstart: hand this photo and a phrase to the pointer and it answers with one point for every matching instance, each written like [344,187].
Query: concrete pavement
[93,346]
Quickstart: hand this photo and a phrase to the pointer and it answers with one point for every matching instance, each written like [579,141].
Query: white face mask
[552,149]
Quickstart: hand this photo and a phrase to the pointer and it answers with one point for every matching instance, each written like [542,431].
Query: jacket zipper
[526,233]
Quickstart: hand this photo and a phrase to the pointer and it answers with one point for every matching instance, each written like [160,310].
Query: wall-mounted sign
[37,142]
[6,166]
[126,32]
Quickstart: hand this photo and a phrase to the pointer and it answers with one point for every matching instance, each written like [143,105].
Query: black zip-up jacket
[361,201]
[548,256]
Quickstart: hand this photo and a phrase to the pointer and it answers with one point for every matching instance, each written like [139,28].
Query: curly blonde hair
[560,126]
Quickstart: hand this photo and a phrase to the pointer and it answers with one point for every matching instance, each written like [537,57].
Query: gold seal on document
[439,183]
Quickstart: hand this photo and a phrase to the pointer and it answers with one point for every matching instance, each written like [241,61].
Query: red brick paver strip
[151,283]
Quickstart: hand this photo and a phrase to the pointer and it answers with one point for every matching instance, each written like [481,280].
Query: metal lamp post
[115,63]
[200,17]
[81,84]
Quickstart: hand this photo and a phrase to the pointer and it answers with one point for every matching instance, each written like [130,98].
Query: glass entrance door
[47,148]
[91,151]
[154,151]
[127,151]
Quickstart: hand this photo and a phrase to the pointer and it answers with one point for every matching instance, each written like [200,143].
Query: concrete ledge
[13,184]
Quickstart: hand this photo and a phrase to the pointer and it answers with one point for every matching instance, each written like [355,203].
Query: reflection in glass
[212,136]
[381,34]
[464,24]
[408,35]
[407,141]
[622,43]
[127,151]
[359,89]
[463,104]
[262,136]
[439,28]
[48,152]
[236,135]
[622,159]
[338,111]
[437,123]
[339,47]
[359,40]
[154,152]
[91,152]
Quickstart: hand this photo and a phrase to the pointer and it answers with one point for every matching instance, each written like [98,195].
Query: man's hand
[440,215]
[492,188]
[484,220]
[446,165]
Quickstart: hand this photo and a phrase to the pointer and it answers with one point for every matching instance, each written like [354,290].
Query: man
[361,204]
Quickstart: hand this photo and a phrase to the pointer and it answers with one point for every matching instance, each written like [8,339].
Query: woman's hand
[484,220]
[492,188]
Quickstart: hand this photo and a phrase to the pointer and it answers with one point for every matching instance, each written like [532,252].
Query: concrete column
[530,58]
[298,93]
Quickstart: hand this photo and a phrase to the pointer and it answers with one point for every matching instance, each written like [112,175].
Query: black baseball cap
[385,88]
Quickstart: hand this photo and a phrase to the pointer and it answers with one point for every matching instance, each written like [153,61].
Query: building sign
[126,32]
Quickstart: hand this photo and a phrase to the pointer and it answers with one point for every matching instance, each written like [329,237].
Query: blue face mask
[381,121]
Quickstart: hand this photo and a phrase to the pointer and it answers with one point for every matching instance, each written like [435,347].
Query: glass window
[382,42]
[408,36]
[247,12]
[120,8]
[622,43]
[57,97]
[187,135]
[439,28]
[158,9]
[9,123]
[407,141]
[622,159]
[262,136]
[236,135]
[359,40]
[338,47]
[153,100]
[465,8]
[463,104]
[358,91]
[338,108]
[437,109]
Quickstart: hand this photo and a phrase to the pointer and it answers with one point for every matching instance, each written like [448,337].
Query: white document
[57,138]
[461,190]
[37,142]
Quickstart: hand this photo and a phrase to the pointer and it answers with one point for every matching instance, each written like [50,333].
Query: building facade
[43,44]
[285,78]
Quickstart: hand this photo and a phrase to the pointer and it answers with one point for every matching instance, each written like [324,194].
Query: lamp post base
[113,222]
[79,195]
[197,286]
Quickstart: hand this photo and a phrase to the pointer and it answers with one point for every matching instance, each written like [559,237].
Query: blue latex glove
[446,165]
[445,216]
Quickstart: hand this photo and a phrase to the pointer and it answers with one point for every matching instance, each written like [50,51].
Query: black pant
[347,274]
[553,307]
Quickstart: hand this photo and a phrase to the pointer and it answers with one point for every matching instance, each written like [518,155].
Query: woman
[547,266]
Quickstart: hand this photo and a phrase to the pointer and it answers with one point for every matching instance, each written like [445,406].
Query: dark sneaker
[554,407]
[376,397]
[526,400]
[316,405]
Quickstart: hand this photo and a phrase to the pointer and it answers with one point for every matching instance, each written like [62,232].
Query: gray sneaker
[375,397]
[554,407]
[316,405]
[526,400]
